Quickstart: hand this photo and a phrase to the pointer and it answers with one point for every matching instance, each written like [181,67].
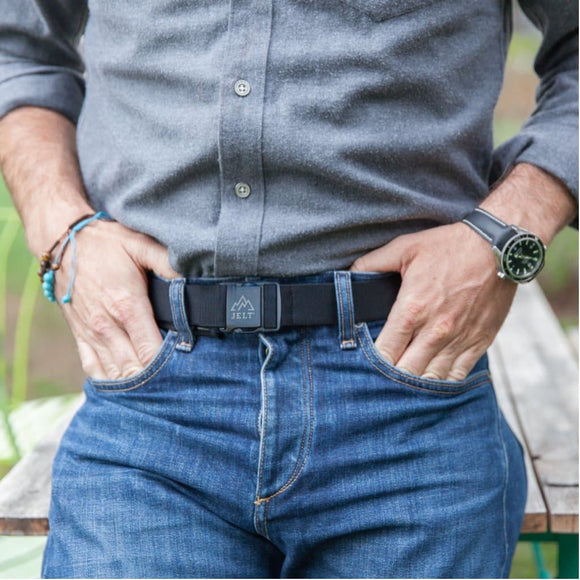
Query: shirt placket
[240,138]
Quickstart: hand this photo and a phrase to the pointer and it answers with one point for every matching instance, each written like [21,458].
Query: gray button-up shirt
[286,137]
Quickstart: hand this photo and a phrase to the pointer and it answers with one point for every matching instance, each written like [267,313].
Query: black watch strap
[488,226]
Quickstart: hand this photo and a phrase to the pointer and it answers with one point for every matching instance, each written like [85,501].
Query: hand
[110,314]
[451,303]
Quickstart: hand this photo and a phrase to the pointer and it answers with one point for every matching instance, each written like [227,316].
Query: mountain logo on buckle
[242,304]
[242,309]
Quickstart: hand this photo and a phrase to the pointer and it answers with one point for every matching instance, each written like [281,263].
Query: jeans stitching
[174,315]
[304,433]
[264,418]
[293,478]
[340,300]
[187,341]
[348,289]
[266,504]
[505,486]
[463,389]
[399,376]
[154,370]
[179,316]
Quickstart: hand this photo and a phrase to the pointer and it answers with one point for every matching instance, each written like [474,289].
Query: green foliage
[22,423]
[561,267]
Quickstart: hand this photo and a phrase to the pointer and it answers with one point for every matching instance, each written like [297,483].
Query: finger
[112,345]
[387,258]
[397,333]
[464,364]
[90,361]
[82,333]
[93,363]
[440,365]
[430,348]
[137,319]
[151,255]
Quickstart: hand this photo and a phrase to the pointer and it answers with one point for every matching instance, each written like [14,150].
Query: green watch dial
[523,258]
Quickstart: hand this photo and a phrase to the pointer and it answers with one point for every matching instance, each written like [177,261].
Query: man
[271,167]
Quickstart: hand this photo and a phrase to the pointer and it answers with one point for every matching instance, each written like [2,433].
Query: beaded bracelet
[48,266]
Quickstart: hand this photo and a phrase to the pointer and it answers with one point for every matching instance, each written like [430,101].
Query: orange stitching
[266,520]
[341,322]
[294,478]
[264,418]
[153,369]
[351,305]
[387,373]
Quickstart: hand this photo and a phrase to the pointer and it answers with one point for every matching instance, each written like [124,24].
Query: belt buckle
[248,305]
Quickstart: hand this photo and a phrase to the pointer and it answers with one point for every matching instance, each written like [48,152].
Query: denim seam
[348,289]
[305,430]
[407,379]
[187,333]
[258,521]
[341,295]
[266,504]
[179,316]
[143,380]
[505,486]
[463,389]
[264,418]
[299,466]
[341,308]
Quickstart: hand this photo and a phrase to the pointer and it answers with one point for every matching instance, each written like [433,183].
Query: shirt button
[242,190]
[242,88]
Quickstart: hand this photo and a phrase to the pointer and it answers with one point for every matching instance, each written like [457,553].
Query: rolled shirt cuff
[555,151]
[61,91]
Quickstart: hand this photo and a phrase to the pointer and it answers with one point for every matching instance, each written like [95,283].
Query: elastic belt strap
[311,304]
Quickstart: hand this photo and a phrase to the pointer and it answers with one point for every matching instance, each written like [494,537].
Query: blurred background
[39,368]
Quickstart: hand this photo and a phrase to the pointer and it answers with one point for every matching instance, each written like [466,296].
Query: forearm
[39,161]
[533,199]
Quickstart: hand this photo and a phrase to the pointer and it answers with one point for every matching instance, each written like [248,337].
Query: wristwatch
[519,254]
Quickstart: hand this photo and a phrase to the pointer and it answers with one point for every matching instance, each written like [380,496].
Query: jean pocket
[366,335]
[145,375]
[380,10]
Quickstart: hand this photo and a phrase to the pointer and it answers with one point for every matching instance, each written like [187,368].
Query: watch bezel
[503,255]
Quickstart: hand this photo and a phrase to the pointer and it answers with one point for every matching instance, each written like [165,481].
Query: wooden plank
[25,490]
[543,378]
[536,515]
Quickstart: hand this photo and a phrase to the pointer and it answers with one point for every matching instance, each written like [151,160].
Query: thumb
[153,256]
[387,258]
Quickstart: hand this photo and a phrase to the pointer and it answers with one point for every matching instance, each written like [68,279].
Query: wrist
[44,227]
[534,200]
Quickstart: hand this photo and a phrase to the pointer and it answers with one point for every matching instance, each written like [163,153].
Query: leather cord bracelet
[48,265]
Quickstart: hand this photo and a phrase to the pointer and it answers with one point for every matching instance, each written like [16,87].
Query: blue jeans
[298,453]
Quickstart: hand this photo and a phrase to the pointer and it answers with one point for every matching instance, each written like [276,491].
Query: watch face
[523,257]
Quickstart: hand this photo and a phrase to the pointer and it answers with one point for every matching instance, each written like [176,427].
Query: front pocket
[380,10]
[147,374]
[479,375]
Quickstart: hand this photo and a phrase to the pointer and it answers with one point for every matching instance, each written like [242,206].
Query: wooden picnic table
[535,373]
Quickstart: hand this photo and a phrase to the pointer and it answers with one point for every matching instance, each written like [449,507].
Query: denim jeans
[297,453]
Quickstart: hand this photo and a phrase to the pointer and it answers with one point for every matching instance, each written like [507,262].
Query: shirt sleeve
[549,138]
[40,64]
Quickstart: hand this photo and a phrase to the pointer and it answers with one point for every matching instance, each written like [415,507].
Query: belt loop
[345,306]
[178,313]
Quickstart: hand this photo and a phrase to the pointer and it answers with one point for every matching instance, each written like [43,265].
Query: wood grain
[542,375]
[25,490]
[536,516]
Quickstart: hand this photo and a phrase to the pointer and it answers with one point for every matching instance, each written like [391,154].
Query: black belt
[268,306]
